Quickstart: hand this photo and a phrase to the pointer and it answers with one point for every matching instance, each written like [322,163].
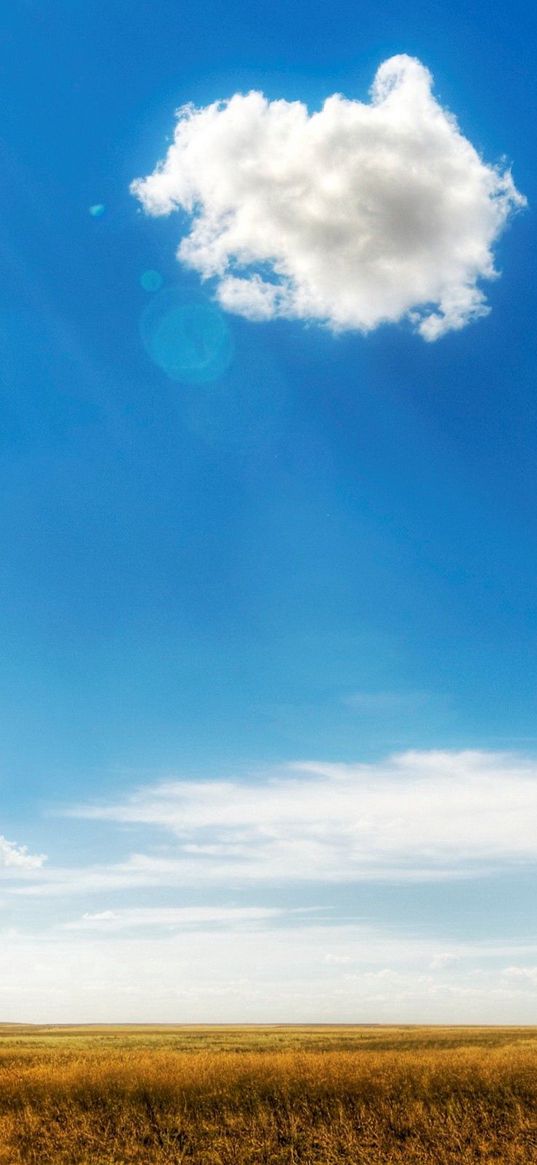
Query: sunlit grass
[248,1096]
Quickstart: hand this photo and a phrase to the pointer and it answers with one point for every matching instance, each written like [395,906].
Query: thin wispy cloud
[236,901]
[355,215]
[385,703]
[173,917]
[417,816]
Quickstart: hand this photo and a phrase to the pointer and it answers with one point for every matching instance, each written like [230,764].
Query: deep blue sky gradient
[198,578]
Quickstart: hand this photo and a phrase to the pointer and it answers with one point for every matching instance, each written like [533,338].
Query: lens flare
[188,339]
[151,280]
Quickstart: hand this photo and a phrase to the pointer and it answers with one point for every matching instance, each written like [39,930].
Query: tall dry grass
[269,1097]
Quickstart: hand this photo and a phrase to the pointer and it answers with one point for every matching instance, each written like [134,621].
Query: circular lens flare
[151,280]
[189,340]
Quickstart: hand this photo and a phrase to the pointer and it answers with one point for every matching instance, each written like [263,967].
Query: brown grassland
[267,1095]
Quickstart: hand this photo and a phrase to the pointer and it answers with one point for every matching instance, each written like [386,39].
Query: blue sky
[321,555]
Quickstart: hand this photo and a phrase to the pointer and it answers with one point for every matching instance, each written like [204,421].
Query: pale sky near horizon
[268,695]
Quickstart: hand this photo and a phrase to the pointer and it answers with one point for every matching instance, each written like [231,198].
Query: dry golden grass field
[267,1096]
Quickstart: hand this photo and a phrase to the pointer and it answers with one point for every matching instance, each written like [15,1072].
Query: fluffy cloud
[16,857]
[353,216]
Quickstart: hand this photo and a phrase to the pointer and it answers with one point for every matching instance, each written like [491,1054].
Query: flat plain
[322,1095]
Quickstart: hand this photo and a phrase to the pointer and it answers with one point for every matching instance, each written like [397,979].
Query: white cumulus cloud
[17,857]
[359,214]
